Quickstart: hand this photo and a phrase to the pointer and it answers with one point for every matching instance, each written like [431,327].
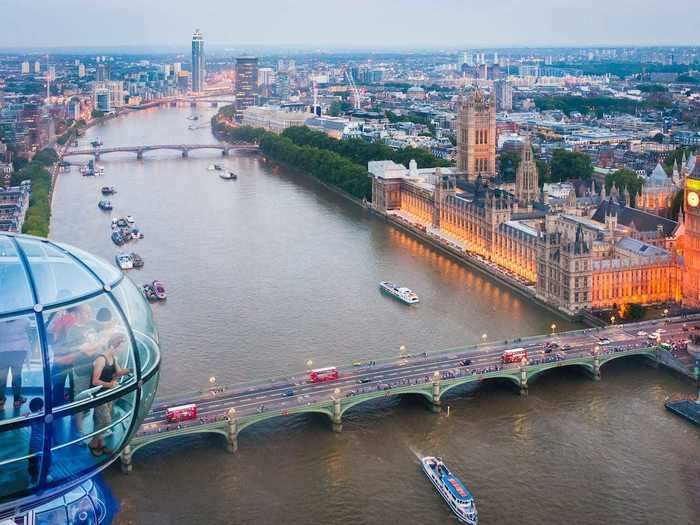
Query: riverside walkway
[228,411]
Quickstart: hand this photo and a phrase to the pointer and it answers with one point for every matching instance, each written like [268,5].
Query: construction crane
[353,87]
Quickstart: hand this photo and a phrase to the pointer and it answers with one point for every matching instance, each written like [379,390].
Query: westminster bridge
[427,376]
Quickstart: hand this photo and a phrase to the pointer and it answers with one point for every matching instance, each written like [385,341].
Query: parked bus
[181,413]
[323,374]
[515,355]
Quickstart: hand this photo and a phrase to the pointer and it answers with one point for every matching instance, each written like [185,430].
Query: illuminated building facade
[476,136]
[691,238]
[575,263]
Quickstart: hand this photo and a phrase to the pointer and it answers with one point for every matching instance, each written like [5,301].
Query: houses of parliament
[576,253]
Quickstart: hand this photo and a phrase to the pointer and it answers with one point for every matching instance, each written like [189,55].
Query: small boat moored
[228,175]
[452,490]
[108,190]
[154,291]
[117,238]
[124,261]
[104,205]
[137,260]
[404,294]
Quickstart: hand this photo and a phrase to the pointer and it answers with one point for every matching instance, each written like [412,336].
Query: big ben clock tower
[691,240]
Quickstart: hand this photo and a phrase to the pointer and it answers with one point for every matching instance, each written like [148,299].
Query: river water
[272,270]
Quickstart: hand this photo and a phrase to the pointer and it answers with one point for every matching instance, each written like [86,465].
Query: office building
[246,81]
[198,65]
[282,85]
[504,95]
[81,70]
[25,68]
[103,72]
[274,119]
[37,67]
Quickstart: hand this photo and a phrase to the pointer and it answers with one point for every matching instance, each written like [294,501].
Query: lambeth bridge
[428,376]
[140,150]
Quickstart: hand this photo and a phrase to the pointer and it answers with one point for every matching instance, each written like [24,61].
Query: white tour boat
[452,490]
[406,295]
[125,261]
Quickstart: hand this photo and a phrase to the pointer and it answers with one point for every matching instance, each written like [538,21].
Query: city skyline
[368,25]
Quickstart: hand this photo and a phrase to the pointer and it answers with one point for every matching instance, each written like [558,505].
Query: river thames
[272,270]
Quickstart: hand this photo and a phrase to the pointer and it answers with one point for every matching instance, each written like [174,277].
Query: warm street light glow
[553,327]
[612,319]
[309,363]
[665,312]
[402,348]
[212,380]
[484,336]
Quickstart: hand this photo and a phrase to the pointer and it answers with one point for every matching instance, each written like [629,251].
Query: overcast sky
[365,24]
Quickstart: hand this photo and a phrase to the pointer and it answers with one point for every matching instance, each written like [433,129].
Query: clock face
[693,199]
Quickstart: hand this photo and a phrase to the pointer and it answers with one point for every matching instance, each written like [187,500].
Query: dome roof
[64,414]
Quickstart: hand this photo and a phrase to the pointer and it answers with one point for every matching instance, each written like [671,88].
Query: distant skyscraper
[81,70]
[504,95]
[25,68]
[282,85]
[476,136]
[37,67]
[246,81]
[103,71]
[198,71]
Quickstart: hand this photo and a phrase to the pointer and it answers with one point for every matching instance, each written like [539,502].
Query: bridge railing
[283,380]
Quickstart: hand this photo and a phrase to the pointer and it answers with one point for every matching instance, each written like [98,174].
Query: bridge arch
[242,425]
[384,394]
[649,353]
[139,443]
[478,378]
[535,374]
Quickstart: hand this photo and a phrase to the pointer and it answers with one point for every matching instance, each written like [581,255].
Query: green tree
[566,165]
[634,312]
[46,156]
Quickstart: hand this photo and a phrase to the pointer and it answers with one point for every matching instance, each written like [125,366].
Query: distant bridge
[140,150]
[228,411]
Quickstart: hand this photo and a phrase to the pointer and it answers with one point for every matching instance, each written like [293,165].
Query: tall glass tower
[197,62]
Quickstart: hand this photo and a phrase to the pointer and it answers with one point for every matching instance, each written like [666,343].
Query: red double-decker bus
[323,374]
[181,413]
[514,355]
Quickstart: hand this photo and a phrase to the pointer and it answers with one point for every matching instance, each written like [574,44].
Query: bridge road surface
[272,394]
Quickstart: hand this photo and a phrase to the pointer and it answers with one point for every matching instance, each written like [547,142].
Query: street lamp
[436,375]
[483,337]
[402,349]
[212,380]
[554,328]
[309,363]
[665,312]
[612,319]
